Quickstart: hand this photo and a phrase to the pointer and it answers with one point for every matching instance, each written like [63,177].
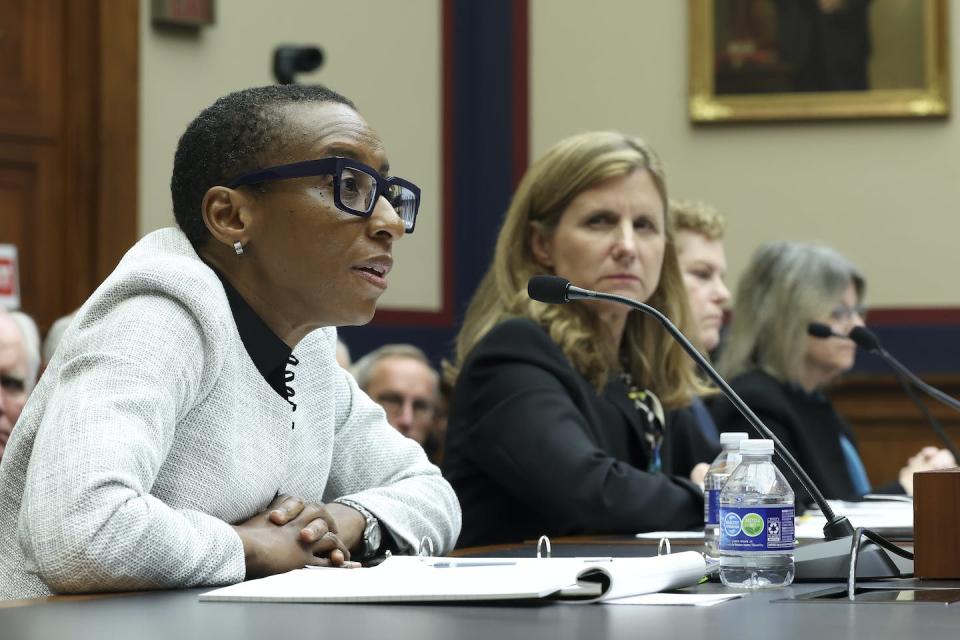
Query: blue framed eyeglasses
[356,187]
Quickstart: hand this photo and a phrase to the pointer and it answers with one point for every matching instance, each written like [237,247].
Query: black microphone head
[865,338]
[819,330]
[549,289]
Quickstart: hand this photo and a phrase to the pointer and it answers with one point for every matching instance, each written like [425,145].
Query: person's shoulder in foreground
[159,449]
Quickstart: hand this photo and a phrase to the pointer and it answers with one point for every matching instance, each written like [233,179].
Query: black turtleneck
[268,352]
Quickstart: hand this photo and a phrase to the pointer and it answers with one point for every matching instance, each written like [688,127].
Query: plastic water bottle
[713,482]
[756,522]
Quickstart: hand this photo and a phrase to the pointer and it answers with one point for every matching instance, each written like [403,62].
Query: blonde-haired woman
[557,421]
[781,372]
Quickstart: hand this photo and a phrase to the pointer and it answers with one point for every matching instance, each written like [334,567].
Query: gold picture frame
[926,96]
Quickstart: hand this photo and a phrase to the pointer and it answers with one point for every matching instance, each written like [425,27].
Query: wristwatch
[370,542]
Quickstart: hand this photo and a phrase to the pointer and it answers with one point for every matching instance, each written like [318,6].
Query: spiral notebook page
[387,584]
[416,579]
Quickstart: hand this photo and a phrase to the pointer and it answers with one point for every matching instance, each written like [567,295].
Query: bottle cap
[732,437]
[756,447]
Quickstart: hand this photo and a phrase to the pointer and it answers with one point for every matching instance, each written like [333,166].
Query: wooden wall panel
[889,428]
[31,68]
[30,197]
[69,96]
[118,126]
[82,162]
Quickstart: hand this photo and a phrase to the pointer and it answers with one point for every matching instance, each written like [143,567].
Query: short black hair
[236,134]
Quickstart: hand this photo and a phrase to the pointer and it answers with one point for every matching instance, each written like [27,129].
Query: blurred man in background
[19,363]
[400,379]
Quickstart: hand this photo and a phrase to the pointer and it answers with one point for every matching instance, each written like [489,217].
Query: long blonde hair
[572,166]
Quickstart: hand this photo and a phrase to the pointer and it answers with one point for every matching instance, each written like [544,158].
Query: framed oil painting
[757,60]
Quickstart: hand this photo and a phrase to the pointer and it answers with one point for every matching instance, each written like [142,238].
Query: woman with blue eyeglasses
[193,427]
[781,370]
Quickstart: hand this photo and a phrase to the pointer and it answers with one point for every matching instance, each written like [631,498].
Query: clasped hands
[928,459]
[293,533]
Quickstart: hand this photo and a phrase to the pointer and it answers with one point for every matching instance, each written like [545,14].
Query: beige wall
[363,40]
[884,193]
[887,194]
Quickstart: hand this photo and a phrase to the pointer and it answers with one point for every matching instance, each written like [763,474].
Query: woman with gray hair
[781,371]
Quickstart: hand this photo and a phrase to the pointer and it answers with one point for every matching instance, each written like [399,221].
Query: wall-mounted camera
[288,61]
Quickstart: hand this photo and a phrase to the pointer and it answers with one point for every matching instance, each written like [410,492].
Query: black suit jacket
[533,449]
[807,425]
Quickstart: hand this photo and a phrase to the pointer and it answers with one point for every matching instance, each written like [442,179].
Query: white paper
[883,497]
[677,599]
[672,535]
[872,514]
[393,582]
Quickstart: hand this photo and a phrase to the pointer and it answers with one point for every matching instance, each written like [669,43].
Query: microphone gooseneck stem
[836,527]
[866,340]
[933,422]
[933,392]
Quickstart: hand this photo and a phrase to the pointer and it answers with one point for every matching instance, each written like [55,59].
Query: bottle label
[711,506]
[757,528]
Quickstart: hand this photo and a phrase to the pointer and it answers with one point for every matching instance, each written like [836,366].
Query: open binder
[432,579]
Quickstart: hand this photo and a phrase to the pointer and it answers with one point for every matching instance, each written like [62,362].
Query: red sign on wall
[9,277]
[182,13]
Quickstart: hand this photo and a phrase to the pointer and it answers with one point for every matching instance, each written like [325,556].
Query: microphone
[820,330]
[865,338]
[557,290]
[549,289]
[826,563]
